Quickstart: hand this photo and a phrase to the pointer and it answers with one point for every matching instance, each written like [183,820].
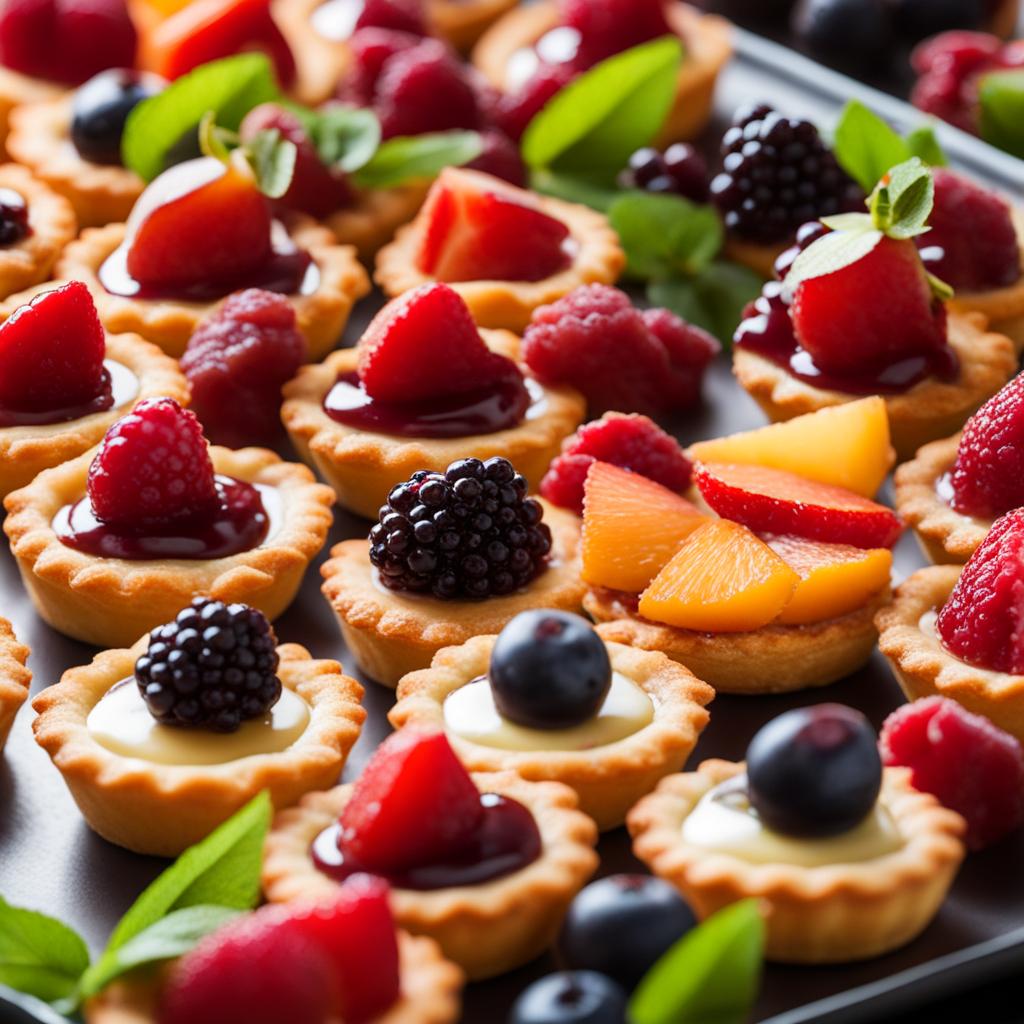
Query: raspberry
[988,475]
[516,110]
[777,174]
[213,667]
[501,158]
[371,49]
[632,442]
[236,363]
[467,533]
[981,622]
[396,15]
[964,760]
[153,469]
[594,340]
[987,256]
[607,27]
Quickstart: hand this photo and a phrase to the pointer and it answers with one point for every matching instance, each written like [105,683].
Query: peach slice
[845,445]
[722,580]
[631,527]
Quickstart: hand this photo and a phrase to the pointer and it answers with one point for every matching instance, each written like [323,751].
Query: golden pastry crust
[608,779]
[784,658]
[111,602]
[362,466]
[39,138]
[929,410]
[487,929]
[321,315]
[16,89]
[759,258]
[707,39]
[830,914]
[163,809]
[26,451]
[53,225]
[375,215]
[15,678]
[430,991]
[510,304]
[945,535]
[463,22]
[924,668]
[391,634]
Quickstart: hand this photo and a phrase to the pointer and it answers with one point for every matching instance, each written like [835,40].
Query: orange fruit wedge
[723,579]
[631,527]
[845,445]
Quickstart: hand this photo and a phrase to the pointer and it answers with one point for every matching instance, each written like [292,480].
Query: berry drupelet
[469,532]
[213,667]
[680,170]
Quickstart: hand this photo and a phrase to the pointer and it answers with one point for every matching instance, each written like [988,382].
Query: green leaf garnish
[592,126]
[711,976]
[272,158]
[1001,94]
[39,954]
[903,199]
[345,138]
[574,190]
[832,252]
[416,157]
[230,88]
[922,142]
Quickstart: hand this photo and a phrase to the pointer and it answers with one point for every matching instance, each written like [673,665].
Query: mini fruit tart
[111,544]
[159,276]
[798,602]
[423,389]
[506,251]
[952,490]
[847,859]
[337,960]
[485,864]
[953,632]
[15,678]
[454,555]
[547,698]
[15,91]
[91,378]
[73,144]
[161,743]
[574,35]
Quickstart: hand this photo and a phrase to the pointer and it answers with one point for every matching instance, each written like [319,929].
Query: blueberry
[549,670]
[621,925]
[101,107]
[856,32]
[572,997]
[814,771]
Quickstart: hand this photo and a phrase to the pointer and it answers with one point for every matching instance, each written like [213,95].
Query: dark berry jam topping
[119,386]
[240,524]
[14,224]
[507,841]
[479,412]
[767,331]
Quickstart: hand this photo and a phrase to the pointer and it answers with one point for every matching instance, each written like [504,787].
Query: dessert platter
[513,513]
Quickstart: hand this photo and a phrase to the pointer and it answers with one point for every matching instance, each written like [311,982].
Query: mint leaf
[230,88]
[408,158]
[830,253]
[573,189]
[922,143]
[272,158]
[711,976]
[865,146]
[1002,110]
[345,137]
[38,954]
[902,202]
[592,126]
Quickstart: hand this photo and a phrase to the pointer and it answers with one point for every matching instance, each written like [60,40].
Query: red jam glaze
[767,330]
[120,385]
[507,841]
[480,412]
[240,524]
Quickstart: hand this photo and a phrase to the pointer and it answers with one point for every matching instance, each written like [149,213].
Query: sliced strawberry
[478,228]
[51,351]
[414,804]
[425,345]
[774,501]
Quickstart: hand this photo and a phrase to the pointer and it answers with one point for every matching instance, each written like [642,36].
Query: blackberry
[469,532]
[776,175]
[680,170]
[213,667]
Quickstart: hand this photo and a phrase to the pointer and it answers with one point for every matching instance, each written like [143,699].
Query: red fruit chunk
[964,760]
[237,361]
[982,622]
[425,345]
[371,49]
[51,351]
[774,501]
[500,158]
[957,51]
[632,442]
[595,340]
[985,257]
[396,15]
[516,110]
[414,805]
[153,468]
[607,27]
[871,313]
[198,221]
